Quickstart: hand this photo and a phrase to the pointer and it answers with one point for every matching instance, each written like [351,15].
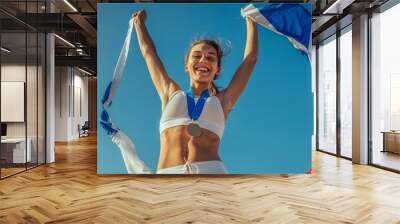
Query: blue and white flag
[133,164]
[290,20]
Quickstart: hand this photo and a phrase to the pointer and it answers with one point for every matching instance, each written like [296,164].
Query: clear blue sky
[270,127]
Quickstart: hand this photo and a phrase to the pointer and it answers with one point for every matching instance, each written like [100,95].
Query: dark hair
[220,54]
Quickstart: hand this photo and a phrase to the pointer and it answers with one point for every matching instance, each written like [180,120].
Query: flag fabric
[290,20]
[133,164]
[105,119]
[119,69]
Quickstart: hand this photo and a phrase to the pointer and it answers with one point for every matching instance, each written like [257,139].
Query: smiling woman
[208,50]
[168,116]
[192,122]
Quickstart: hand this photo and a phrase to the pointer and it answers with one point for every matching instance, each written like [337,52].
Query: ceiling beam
[84,24]
[82,61]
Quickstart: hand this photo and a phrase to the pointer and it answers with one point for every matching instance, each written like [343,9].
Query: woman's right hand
[139,16]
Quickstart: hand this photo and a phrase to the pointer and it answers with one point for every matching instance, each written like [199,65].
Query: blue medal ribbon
[195,109]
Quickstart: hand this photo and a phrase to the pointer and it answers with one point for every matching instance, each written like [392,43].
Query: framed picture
[203,89]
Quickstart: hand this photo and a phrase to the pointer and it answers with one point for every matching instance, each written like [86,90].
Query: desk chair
[84,130]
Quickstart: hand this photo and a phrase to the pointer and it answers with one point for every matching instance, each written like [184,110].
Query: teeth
[203,69]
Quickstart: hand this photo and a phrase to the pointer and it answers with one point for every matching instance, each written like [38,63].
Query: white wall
[80,100]
[61,103]
[71,87]
[13,72]
[16,73]
[33,127]
[12,101]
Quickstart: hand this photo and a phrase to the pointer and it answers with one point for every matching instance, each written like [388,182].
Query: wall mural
[204,88]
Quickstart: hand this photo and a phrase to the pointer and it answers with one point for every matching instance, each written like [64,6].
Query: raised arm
[242,74]
[164,85]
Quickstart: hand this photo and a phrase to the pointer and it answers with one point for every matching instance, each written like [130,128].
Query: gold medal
[194,129]
[194,111]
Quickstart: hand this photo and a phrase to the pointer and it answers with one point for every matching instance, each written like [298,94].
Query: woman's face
[202,63]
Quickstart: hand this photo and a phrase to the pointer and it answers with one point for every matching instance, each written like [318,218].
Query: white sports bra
[175,113]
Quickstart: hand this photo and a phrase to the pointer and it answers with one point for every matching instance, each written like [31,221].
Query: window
[327,96]
[385,88]
[346,92]
[22,68]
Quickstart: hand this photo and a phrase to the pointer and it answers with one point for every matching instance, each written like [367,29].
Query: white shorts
[205,167]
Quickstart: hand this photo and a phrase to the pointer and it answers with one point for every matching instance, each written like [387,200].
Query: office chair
[84,130]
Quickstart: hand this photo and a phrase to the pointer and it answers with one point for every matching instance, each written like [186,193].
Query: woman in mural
[192,122]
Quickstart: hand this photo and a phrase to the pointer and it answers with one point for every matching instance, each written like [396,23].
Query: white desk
[19,149]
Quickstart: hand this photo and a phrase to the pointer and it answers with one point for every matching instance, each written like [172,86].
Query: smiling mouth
[202,69]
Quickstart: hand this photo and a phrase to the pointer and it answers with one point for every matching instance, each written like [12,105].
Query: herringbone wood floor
[70,191]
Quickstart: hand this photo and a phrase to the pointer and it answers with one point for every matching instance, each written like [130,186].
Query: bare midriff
[178,147]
